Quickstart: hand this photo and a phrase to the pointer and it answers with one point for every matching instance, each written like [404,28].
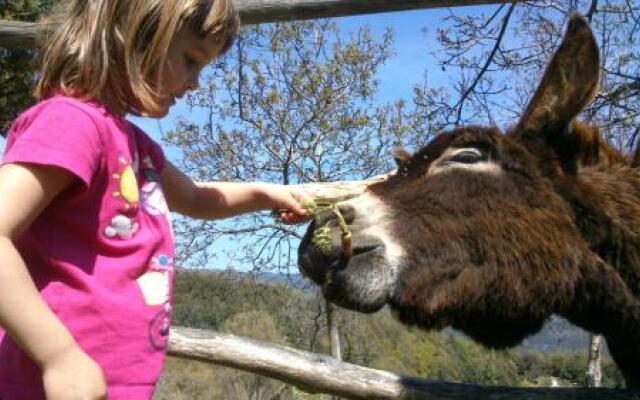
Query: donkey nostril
[348,213]
[364,249]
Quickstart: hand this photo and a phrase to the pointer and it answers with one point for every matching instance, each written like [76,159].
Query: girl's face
[188,54]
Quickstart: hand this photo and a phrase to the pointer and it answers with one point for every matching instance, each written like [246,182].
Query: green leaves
[293,104]
[18,67]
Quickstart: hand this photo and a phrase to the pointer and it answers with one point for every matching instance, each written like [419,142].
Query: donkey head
[471,231]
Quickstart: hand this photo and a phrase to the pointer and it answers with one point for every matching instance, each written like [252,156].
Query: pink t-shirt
[101,254]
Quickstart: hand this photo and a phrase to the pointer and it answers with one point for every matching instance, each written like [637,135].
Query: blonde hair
[114,50]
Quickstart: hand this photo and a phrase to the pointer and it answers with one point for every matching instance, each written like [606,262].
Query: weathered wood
[332,328]
[260,11]
[317,373]
[20,35]
[333,192]
[25,35]
[593,375]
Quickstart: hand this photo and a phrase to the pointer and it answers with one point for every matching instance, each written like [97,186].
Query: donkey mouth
[357,282]
[320,265]
[366,248]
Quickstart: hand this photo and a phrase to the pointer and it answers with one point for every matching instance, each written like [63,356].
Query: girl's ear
[401,156]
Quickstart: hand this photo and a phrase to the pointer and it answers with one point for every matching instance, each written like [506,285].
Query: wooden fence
[25,35]
[317,373]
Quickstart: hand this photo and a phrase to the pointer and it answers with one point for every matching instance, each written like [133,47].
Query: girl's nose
[193,82]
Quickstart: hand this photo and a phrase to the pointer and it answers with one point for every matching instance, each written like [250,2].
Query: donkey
[492,233]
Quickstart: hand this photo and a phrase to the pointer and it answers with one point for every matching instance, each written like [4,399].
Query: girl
[86,244]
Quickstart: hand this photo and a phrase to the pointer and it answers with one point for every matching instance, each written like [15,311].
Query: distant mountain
[292,280]
[557,334]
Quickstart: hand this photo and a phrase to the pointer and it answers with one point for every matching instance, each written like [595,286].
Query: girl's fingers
[300,200]
[292,209]
[290,217]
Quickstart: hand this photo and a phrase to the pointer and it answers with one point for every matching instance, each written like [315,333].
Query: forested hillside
[232,302]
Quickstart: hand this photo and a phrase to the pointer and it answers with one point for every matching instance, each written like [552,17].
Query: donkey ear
[568,85]
[401,156]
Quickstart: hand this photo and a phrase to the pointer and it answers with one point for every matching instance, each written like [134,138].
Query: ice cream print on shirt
[141,204]
[152,196]
[155,287]
[155,282]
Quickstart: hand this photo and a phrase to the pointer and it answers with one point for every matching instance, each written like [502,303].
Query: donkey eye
[466,157]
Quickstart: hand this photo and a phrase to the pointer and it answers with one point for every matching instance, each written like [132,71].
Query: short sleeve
[148,146]
[57,133]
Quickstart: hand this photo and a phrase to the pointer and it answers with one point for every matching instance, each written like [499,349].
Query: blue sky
[414,41]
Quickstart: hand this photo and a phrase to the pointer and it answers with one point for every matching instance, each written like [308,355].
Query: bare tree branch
[471,88]
[592,10]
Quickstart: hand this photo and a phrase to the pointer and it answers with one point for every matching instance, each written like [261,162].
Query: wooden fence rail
[25,35]
[318,373]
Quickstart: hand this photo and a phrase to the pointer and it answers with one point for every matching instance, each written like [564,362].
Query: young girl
[85,238]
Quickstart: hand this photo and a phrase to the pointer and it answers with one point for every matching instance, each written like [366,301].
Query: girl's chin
[158,114]
[163,110]
[166,106]
[170,102]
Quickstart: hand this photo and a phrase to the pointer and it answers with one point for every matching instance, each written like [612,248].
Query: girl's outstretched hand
[287,204]
[73,375]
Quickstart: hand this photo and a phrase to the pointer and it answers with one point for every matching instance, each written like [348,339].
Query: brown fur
[556,230]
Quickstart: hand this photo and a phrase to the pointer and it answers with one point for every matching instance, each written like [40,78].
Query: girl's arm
[213,200]
[25,190]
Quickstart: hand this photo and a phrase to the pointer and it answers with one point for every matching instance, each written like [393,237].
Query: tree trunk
[334,335]
[332,327]
[594,370]
[26,35]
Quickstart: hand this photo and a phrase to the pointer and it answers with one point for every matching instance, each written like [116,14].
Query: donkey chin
[364,282]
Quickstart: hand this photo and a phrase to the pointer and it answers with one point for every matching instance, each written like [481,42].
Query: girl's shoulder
[69,105]
[64,110]
[60,131]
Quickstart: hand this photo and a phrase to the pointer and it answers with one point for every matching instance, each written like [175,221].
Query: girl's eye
[189,61]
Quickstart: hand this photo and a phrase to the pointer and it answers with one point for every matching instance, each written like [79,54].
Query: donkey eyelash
[464,156]
[468,158]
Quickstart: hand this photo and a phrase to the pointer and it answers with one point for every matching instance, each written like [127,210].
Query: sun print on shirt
[122,226]
[127,185]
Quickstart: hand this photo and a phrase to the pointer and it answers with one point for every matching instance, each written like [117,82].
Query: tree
[18,67]
[291,103]
[495,61]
